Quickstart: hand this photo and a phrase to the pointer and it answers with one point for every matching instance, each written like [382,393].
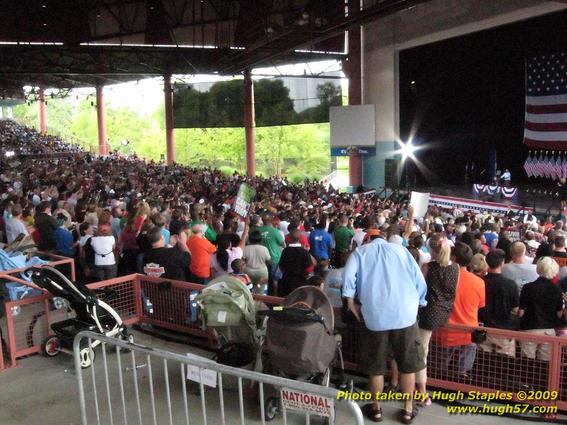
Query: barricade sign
[209,376]
[307,403]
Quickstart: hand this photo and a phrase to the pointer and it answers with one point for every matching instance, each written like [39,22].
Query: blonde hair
[440,249]
[517,249]
[547,267]
[143,209]
[478,264]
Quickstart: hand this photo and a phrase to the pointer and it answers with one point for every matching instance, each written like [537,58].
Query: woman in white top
[226,253]
[103,245]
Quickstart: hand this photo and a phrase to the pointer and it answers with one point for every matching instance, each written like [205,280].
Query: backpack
[89,253]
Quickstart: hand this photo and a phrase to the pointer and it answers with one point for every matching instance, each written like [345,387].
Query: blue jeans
[466,353]
[274,276]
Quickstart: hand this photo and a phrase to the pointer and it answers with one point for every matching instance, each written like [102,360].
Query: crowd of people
[404,276]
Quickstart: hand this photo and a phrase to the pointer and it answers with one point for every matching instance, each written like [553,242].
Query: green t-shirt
[210,234]
[273,240]
[343,237]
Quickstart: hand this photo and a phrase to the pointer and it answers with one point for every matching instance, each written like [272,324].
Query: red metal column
[42,111]
[101,121]
[249,124]
[353,70]
[169,132]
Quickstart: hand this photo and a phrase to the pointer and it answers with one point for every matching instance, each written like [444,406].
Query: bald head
[267,219]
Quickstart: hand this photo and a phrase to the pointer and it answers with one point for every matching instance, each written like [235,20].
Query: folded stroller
[300,341]
[228,307]
[92,314]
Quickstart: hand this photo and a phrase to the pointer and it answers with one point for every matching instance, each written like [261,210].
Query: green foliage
[297,178]
[222,105]
[299,150]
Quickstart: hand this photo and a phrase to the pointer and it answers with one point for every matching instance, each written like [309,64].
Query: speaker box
[391,173]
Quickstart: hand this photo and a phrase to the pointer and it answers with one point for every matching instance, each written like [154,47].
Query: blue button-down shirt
[389,284]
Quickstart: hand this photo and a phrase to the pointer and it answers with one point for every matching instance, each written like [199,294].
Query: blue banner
[362,151]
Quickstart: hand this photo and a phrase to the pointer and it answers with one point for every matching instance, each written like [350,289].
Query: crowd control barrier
[28,319]
[136,384]
[511,361]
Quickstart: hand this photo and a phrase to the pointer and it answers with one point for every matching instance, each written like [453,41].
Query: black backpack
[89,253]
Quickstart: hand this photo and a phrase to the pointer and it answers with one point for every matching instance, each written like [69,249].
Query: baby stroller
[228,307]
[92,314]
[300,341]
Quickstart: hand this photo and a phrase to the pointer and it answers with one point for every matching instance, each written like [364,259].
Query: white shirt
[233,254]
[14,227]
[103,248]
[359,235]
[84,240]
[283,227]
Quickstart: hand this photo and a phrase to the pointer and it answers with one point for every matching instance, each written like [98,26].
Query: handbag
[478,336]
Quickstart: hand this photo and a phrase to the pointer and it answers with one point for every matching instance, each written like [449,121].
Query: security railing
[136,384]
[170,305]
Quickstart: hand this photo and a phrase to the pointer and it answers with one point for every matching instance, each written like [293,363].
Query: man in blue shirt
[64,241]
[320,241]
[390,287]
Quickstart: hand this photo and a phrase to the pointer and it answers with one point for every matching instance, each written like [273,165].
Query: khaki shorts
[534,350]
[500,345]
[406,346]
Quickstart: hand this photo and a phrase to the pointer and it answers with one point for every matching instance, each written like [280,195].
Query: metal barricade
[28,320]
[134,384]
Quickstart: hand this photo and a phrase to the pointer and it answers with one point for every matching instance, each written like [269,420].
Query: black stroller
[92,314]
[301,342]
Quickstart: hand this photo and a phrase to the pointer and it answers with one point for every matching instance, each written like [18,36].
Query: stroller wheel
[51,346]
[87,356]
[127,337]
[271,408]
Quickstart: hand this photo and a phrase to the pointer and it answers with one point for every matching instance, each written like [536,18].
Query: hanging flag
[546,172]
[551,166]
[527,165]
[540,166]
[546,102]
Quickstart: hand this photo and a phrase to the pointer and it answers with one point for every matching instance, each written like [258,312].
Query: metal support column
[353,70]
[169,131]
[42,111]
[249,124]
[101,121]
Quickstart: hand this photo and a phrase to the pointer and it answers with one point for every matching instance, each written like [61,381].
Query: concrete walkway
[43,391]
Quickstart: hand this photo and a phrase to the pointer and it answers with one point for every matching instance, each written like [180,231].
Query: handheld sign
[244,199]
[419,201]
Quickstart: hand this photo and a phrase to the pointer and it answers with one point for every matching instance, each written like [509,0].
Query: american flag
[546,102]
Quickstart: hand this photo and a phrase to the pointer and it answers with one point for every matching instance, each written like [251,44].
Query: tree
[298,150]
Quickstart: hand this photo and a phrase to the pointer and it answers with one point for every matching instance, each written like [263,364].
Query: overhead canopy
[108,41]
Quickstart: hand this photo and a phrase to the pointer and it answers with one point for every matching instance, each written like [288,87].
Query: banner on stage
[451,202]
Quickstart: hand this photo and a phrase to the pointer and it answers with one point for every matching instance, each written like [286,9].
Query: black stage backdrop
[467,97]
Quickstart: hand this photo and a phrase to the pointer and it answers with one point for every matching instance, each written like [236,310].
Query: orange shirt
[469,298]
[201,250]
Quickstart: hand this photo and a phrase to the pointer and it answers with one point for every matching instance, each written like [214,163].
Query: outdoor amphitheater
[284,211]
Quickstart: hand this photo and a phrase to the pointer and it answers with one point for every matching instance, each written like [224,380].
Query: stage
[541,200]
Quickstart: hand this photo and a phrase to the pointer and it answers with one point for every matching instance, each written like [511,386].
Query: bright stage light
[407,149]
